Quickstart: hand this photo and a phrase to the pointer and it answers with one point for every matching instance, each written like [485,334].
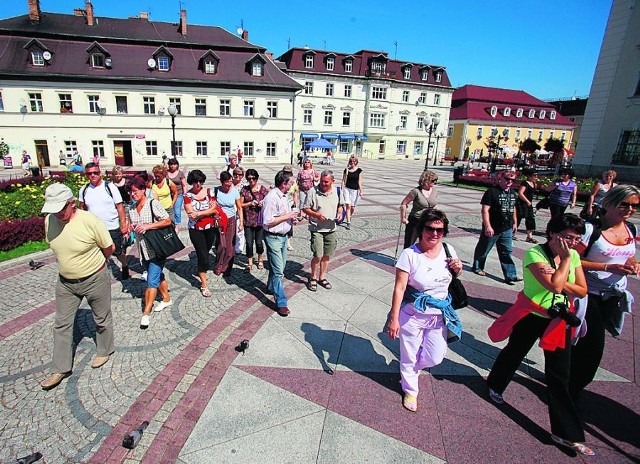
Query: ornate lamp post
[173,111]
[431,128]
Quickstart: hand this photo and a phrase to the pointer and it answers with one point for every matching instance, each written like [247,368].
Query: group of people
[574,288]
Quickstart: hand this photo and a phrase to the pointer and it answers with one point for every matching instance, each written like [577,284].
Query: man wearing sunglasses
[498,227]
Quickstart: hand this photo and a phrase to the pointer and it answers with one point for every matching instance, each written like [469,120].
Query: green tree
[529,146]
[554,145]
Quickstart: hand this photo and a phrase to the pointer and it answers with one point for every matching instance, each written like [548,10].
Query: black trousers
[528,214]
[563,415]
[557,210]
[411,232]
[251,235]
[202,241]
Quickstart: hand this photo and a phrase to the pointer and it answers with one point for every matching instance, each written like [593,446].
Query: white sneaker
[162,305]
[144,322]
[143,276]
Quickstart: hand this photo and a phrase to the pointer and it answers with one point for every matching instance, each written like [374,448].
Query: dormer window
[407,73]
[438,76]
[209,67]
[348,66]
[209,62]
[97,60]
[256,68]
[164,63]
[552,115]
[494,111]
[331,63]
[543,113]
[308,61]
[519,112]
[98,56]
[506,112]
[377,66]
[37,59]
[163,58]
[39,55]
[424,74]
[532,114]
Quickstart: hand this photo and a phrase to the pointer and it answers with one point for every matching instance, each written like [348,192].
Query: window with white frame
[405,96]
[307,115]
[543,113]
[248,149]
[225,148]
[248,110]
[348,66]
[423,97]
[420,125]
[517,134]
[519,112]
[377,120]
[35,101]
[272,109]
[256,68]
[93,103]
[540,133]
[379,93]
[151,147]
[532,114]
[209,66]
[308,88]
[401,147]
[201,148]
[407,72]
[271,149]
[346,118]
[66,105]
[343,146]
[479,133]
[550,134]
[328,117]
[149,105]
[201,106]
[347,91]
[98,148]
[424,74]
[36,58]
[121,104]
[308,61]
[377,66]
[506,132]
[97,60]
[331,63]
[70,147]
[552,115]
[175,101]
[403,121]
[225,107]
[163,63]
[418,147]
[506,112]
[494,111]
[438,76]
[329,90]
[178,148]
[436,99]
[529,133]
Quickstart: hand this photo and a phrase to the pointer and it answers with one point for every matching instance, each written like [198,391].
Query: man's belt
[81,279]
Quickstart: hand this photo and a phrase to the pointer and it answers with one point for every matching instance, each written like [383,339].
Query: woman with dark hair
[149,214]
[251,197]
[553,278]
[229,200]
[424,196]
[524,203]
[177,177]
[564,191]
[200,205]
[421,312]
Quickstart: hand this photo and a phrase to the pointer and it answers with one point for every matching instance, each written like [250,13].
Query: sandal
[325,283]
[248,268]
[312,285]
[260,265]
[579,448]
[531,240]
[480,272]
[410,402]
[205,292]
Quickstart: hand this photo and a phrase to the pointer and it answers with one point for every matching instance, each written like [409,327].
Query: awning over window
[362,137]
[309,136]
[347,136]
[329,136]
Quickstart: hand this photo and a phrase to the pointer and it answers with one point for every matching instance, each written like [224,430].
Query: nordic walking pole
[395,256]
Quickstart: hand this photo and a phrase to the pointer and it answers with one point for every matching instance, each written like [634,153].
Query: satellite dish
[265,114]
[100,104]
[46,55]
[239,31]
[151,63]
[108,62]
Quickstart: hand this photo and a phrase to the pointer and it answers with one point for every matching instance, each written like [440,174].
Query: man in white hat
[82,244]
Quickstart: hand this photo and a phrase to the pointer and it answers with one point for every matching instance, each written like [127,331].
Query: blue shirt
[227,201]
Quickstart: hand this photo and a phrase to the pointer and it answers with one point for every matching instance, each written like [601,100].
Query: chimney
[144,15]
[183,22]
[78,12]
[34,10]
[269,55]
[89,13]
[245,35]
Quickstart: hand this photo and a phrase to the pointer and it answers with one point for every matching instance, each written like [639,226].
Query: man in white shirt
[104,200]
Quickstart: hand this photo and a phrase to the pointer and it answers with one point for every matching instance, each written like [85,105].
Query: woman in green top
[552,276]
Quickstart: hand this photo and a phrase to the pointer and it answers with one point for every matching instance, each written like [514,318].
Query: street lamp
[435,156]
[431,128]
[173,111]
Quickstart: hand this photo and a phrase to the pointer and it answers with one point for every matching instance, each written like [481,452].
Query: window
[532,114]
[494,111]
[249,108]
[506,133]
[35,100]
[271,149]
[329,91]
[201,148]
[272,108]
[348,66]
[377,120]
[420,125]
[450,131]
[248,149]
[151,147]
[347,91]
[424,74]
[550,134]
[178,148]
[563,135]
[405,96]
[328,117]
[209,68]
[519,112]
[506,112]
[628,150]
[479,133]
[407,72]
[66,106]
[163,63]
[97,60]
[418,147]
[308,61]
[149,105]
[93,103]
[539,136]
[438,76]
[307,115]
[225,107]
[530,133]
[256,68]
[403,122]
[344,146]
[1,103]
[121,104]
[542,114]
[331,62]
[308,88]
[70,147]
[436,99]
[346,118]
[36,58]
[517,134]
[201,107]
[176,101]
[401,147]
[225,148]
[378,67]
[423,98]
[379,93]
[552,115]
[98,148]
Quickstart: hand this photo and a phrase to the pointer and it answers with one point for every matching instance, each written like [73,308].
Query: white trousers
[423,344]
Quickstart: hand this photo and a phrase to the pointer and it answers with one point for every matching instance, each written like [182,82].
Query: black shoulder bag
[165,241]
[457,291]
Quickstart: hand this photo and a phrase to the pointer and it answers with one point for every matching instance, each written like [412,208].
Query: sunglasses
[434,230]
[627,205]
[252,178]
[571,238]
[92,173]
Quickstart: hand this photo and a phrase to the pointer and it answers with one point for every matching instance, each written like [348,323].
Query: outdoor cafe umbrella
[320,143]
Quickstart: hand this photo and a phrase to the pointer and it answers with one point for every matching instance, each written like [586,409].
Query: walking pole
[395,256]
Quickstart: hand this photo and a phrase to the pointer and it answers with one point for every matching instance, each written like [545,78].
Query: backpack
[597,232]
[84,189]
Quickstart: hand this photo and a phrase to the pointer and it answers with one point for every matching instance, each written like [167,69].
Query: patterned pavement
[279,402]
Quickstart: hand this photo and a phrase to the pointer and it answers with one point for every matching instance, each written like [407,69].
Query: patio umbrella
[320,143]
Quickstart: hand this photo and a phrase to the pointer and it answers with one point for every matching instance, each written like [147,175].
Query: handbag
[165,241]
[457,291]
[543,204]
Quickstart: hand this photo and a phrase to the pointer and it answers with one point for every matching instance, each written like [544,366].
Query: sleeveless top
[597,201]
[164,194]
[529,192]
[561,195]
[422,202]
[352,179]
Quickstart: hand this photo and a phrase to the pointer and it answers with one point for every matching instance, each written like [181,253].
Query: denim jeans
[503,242]
[177,210]
[277,255]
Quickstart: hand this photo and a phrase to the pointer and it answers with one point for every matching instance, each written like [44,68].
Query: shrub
[15,233]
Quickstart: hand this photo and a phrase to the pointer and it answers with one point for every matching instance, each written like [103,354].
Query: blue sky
[546,47]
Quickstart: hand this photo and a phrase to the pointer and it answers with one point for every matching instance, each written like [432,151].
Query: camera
[562,310]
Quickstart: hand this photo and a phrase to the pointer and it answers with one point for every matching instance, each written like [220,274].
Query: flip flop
[579,448]
[410,402]
[325,283]
[205,292]
[480,272]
